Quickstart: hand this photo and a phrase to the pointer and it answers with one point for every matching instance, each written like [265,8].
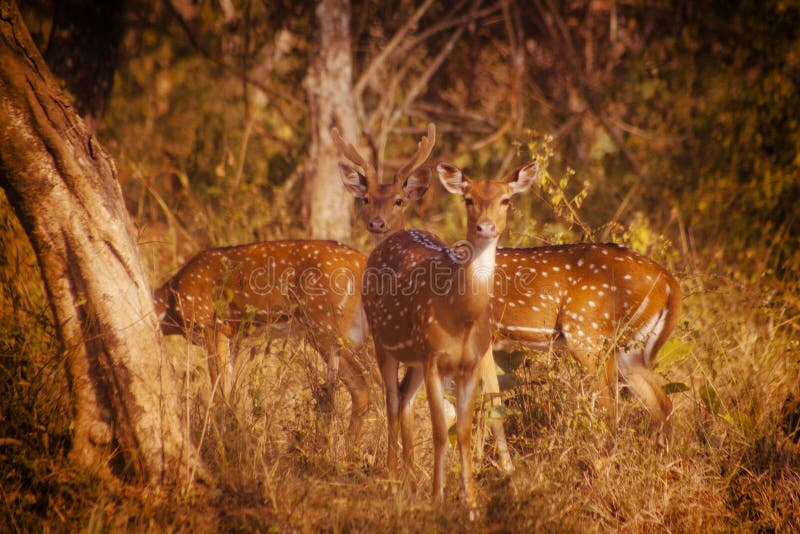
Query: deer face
[486,201]
[383,205]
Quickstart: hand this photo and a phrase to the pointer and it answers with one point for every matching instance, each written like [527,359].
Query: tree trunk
[329,87]
[83,50]
[62,186]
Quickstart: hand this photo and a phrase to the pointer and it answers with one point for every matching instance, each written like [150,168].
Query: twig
[562,36]
[453,114]
[446,25]
[237,177]
[172,220]
[494,136]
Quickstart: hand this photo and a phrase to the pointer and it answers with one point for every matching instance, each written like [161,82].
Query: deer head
[383,204]
[486,201]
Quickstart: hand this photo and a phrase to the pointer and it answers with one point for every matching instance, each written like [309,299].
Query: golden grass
[733,464]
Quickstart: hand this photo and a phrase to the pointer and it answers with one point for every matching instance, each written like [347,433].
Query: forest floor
[733,463]
[282,465]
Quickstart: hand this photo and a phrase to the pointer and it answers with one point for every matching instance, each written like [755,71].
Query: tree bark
[62,186]
[329,88]
[83,50]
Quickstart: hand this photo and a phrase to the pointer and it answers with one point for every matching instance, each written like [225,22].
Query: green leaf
[647,89]
[673,351]
[602,146]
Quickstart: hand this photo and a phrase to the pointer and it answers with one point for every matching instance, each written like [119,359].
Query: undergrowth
[733,462]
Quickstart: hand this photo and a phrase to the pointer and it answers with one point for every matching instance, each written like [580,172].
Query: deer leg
[353,379]
[435,390]
[491,388]
[234,346]
[408,391]
[333,370]
[212,364]
[388,367]
[648,390]
[330,354]
[610,380]
[325,395]
[225,358]
[603,383]
[465,399]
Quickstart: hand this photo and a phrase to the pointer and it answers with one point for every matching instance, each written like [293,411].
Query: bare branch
[494,136]
[516,65]
[446,24]
[471,120]
[185,9]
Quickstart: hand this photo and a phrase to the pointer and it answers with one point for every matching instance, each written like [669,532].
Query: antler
[349,151]
[423,152]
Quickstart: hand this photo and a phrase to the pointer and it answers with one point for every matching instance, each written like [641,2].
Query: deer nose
[377,226]
[486,229]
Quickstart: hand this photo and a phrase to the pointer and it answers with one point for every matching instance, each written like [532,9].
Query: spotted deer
[428,307]
[384,204]
[383,208]
[224,293]
[608,306]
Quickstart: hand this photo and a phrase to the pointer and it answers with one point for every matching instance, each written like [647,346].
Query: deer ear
[521,180]
[452,178]
[354,181]
[418,183]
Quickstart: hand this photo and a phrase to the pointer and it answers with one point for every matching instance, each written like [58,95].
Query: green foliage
[674,351]
[198,147]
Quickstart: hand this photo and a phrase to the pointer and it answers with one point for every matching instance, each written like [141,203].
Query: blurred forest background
[670,127]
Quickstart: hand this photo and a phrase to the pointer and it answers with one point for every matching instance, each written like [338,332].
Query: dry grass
[733,464]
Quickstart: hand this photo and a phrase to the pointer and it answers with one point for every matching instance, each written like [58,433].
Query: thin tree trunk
[329,87]
[62,186]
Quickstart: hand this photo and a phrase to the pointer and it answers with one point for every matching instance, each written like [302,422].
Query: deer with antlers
[384,204]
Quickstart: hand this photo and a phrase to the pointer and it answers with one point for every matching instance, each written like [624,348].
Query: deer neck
[478,277]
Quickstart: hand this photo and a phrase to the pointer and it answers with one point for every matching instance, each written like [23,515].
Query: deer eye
[505,201]
[468,201]
[398,202]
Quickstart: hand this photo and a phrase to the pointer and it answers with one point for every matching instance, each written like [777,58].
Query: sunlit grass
[732,465]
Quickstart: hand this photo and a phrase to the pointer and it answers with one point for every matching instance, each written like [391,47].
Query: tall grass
[733,463]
